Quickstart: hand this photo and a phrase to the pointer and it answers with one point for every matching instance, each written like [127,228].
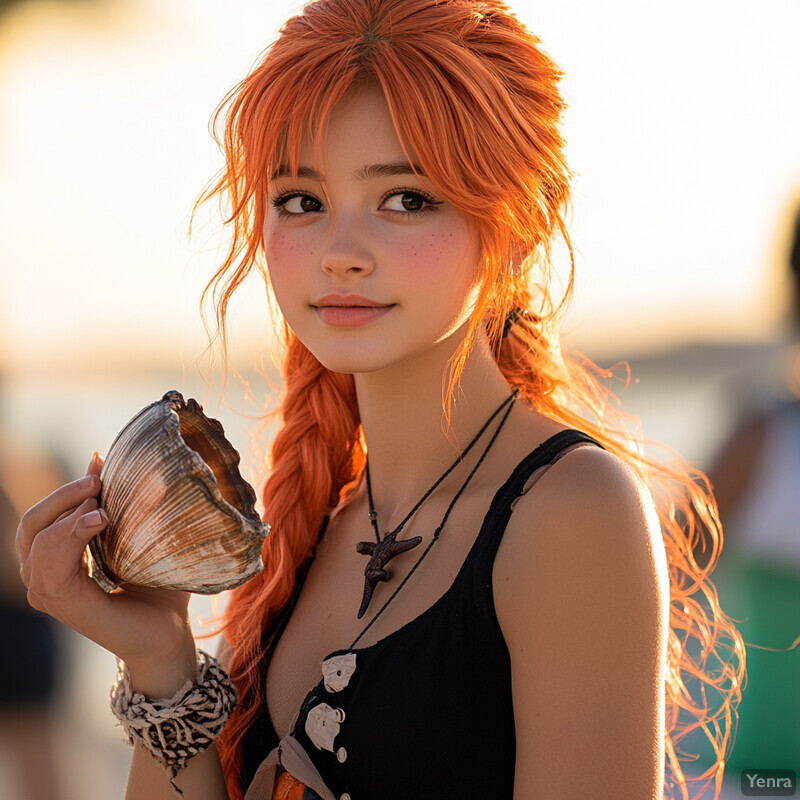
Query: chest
[325,620]
[435,693]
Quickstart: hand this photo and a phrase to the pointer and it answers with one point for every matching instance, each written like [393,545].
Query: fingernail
[89,482]
[94,518]
[103,514]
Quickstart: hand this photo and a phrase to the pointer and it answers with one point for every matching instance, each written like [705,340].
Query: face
[387,269]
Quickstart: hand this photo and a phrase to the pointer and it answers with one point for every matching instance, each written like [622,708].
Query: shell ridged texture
[181,516]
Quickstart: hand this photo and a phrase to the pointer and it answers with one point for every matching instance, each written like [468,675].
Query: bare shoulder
[588,510]
[582,597]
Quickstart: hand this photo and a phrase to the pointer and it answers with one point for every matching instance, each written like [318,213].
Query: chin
[348,357]
[364,357]
[353,363]
[377,351]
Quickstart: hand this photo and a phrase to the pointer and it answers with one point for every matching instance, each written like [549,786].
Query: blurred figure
[30,662]
[756,479]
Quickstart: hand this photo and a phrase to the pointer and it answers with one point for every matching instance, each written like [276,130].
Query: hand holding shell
[181,515]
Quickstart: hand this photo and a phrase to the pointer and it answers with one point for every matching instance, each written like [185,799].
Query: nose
[347,252]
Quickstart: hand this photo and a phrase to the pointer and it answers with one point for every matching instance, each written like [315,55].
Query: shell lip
[175,402]
[102,576]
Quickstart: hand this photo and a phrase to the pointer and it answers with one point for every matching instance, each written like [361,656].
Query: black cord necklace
[384,549]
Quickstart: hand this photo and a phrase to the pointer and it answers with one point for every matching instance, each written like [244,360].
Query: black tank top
[427,712]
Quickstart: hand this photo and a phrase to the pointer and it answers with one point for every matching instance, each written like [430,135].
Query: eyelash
[280,201]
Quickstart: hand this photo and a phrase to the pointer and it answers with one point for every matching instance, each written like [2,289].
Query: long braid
[315,457]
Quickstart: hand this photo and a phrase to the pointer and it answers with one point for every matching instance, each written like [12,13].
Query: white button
[341,755]
[345,796]
[337,671]
[322,726]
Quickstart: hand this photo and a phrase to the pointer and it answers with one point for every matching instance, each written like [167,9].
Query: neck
[408,440]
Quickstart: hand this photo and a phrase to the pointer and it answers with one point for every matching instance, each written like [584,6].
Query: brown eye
[296,204]
[409,201]
[308,204]
[412,202]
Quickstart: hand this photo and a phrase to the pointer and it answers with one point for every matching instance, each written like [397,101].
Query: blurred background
[684,132]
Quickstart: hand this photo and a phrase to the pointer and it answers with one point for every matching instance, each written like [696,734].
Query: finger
[47,511]
[95,468]
[59,548]
[95,465]
[88,525]
[65,514]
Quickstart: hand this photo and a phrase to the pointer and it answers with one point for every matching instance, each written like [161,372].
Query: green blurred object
[765,596]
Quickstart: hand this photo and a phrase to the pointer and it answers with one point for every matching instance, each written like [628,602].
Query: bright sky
[684,129]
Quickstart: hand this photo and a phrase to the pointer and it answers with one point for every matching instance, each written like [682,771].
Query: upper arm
[734,465]
[582,596]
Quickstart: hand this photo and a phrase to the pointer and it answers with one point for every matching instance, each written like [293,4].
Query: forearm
[202,777]
[200,780]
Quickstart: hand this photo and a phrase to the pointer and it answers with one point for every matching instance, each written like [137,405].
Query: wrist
[161,677]
[176,728]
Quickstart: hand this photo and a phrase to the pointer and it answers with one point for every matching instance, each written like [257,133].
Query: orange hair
[477,101]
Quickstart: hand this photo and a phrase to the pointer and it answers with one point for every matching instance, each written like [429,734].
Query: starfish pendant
[381,554]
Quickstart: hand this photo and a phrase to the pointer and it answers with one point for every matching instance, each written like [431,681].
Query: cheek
[444,256]
[284,277]
[284,256]
[279,250]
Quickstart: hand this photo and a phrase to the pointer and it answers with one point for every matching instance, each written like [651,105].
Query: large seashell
[181,515]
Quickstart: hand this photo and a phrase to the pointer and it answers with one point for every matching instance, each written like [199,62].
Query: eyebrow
[366,172]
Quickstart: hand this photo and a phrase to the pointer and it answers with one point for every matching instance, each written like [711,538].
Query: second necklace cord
[386,548]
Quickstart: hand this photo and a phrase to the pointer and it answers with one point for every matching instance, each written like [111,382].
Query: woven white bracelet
[175,729]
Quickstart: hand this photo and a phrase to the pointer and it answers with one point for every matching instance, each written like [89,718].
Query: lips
[348,301]
[349,310]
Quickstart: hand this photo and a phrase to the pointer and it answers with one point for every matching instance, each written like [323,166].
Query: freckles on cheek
[282,257]
[284,253]
[278,250]
[288,249]
[438,251]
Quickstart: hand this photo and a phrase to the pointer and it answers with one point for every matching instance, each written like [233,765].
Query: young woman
[469,591]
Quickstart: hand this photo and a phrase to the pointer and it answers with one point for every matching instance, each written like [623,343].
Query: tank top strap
[502,505]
